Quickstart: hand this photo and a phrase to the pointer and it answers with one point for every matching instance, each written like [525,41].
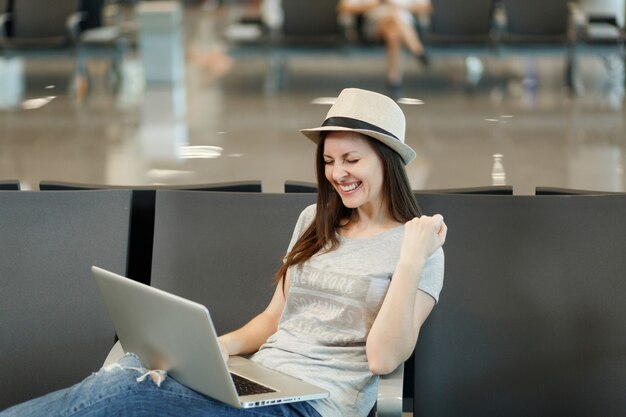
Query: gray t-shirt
[333,300]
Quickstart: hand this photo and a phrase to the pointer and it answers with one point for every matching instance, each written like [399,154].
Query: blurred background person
[392,22]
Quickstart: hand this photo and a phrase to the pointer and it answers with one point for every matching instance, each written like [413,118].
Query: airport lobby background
[219,122]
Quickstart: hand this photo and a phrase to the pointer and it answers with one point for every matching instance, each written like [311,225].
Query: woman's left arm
[393,335]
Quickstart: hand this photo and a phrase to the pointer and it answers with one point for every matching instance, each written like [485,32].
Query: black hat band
[351,123]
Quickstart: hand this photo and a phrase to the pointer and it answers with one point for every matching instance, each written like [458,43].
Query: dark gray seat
[461,28]
[532,319]
[537,27]
[42,25]
[309,27]
[466,26]
[498,190]
[537,21]
[55,329]
[310,23]
[221,248]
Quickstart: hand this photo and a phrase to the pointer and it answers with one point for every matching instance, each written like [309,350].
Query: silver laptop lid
[167,332]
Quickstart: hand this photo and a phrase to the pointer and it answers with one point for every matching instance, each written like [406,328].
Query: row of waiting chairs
[467,27]
[309,187]
[289,187]
[467,22]
[531,311]
[521,21]
[458,24]
[142,212]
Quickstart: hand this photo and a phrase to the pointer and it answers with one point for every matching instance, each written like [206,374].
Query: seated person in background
[391,21]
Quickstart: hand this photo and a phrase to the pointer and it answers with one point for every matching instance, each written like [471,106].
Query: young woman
[362,274]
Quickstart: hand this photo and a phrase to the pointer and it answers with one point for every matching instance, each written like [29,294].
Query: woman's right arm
[249,338]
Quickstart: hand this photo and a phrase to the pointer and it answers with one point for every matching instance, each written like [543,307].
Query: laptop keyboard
[246,387]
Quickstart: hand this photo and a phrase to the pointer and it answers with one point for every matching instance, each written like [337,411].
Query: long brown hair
[321,233]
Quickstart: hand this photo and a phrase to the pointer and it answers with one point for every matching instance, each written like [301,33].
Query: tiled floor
[137,136]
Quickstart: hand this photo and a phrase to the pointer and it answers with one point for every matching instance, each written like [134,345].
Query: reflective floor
[221,123]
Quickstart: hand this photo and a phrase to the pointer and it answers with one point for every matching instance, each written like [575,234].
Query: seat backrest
[310,20]
[568,191]
[300,187]
[468,18]
[537,18]
[489,189]
[141,224]
[532,319]
[9,184]
[223,249]
[42,19]
[237,186]
[247,186]
[142,216]
[54,327]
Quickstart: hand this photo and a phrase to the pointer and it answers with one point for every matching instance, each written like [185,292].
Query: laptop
[172,333]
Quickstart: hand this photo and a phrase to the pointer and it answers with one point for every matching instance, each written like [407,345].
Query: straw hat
[369,113]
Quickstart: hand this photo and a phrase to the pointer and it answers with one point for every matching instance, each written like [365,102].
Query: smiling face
[354,169]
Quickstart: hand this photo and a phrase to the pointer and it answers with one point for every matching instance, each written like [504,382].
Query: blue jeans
[116,392]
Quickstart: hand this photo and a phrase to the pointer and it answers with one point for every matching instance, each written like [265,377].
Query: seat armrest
[115,354]
[389,402]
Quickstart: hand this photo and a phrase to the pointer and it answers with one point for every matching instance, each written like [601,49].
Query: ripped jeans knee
[131,362]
